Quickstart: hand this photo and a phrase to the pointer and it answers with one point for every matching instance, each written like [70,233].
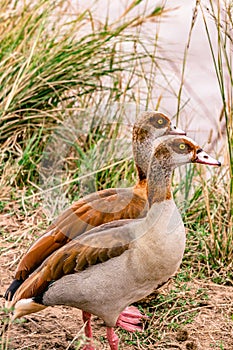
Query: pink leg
[130,318]
[112,338]
[88,330]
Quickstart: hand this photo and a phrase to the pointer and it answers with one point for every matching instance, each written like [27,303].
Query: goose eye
[182,146]
[160,121]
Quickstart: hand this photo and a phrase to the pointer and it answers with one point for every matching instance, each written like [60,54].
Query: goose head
[149,127]
[174,151]
[168,153]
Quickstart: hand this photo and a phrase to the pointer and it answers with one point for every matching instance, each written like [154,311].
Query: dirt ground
[62,327]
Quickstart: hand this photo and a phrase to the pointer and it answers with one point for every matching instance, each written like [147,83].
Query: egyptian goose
[100,207]
[116,264]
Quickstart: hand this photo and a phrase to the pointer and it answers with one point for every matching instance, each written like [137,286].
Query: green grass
[207,216]
[168,312]
[54,76]
[206,198]
[50,72]
[217,198]
[222,60]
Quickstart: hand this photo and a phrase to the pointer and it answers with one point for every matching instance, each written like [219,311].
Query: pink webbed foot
[113,339]
[130,318]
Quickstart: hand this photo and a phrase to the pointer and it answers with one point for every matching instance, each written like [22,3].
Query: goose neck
[142,142]
[159,182]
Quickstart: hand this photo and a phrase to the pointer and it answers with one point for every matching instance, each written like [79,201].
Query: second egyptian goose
[110,267]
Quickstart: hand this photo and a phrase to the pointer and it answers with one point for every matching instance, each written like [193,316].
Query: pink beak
[204,158]
[175,131]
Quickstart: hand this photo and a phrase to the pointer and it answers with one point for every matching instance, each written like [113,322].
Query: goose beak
[175,131]
[204,158]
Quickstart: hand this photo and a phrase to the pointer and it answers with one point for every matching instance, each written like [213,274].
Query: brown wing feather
[46,246]
[76,256]
[81,217]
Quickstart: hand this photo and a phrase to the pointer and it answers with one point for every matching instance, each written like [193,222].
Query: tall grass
[51,69]
[208,205]
[57,79]
[222,60]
